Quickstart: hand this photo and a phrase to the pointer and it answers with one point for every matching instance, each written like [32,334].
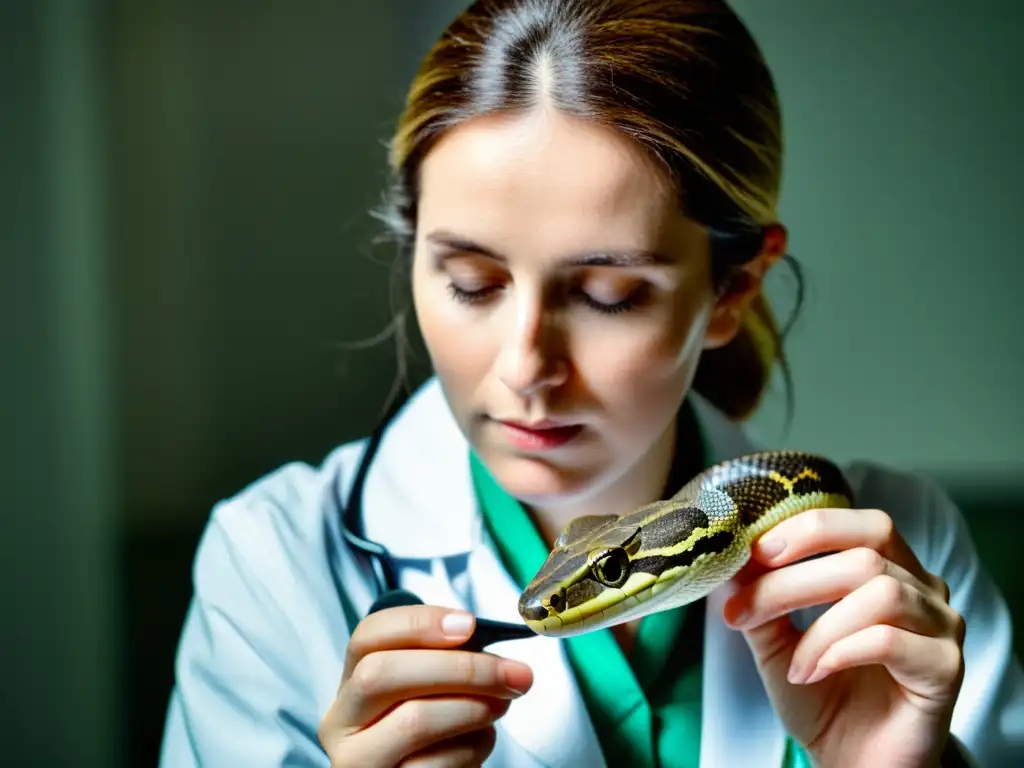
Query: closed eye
[481,295]
[472,296]
[632,301]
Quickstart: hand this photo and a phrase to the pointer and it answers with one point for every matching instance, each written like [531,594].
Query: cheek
[641,372]
[461,352]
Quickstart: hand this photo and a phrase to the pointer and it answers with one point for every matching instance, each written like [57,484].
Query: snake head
[590,556]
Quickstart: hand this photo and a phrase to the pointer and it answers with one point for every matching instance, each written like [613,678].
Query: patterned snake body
[607,569]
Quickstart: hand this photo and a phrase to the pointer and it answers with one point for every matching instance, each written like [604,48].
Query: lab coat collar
[424,449]
[420,505]
[418,499]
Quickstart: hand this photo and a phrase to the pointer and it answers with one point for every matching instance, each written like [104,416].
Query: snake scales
[608,569]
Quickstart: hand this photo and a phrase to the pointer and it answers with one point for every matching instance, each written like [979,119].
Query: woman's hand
[873,680]
[406,698]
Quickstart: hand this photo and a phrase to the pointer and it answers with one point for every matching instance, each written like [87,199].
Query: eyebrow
[630,257]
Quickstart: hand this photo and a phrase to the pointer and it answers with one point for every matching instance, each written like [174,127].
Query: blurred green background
[184,243]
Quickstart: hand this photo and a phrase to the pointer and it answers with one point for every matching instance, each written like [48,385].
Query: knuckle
[884,523]
[888,639]
[942,587]
[890,589]
[360,641]
[959,629]
[949,664]
[957,665]
[814,522]
[370,675]
[414,717]
[869,561]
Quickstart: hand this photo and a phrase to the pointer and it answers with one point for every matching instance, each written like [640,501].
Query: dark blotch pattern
[832,479]
[672,528]
[743,480]
[752,496]
[717,542]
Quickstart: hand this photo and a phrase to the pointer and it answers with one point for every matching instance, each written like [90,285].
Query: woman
[588,194]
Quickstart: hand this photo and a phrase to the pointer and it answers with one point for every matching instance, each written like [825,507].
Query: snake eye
[613,568]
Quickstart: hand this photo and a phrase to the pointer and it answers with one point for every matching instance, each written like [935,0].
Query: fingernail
[457,624]
[820,673]
[517,678]
[796,674]
[771,544]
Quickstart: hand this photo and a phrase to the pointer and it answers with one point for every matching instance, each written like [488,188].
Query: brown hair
[683,78]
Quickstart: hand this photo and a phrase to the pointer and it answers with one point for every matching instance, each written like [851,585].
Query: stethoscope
[382,563]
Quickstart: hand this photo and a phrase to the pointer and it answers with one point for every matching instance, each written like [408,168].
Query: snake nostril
[556,603]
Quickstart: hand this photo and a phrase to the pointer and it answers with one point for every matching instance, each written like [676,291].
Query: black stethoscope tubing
[380,560]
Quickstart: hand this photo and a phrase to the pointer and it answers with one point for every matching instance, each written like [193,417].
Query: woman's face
[564,298]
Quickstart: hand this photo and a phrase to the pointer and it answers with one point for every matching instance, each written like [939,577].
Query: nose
[531,359]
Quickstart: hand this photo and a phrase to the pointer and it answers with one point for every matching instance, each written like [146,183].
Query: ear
[727,315]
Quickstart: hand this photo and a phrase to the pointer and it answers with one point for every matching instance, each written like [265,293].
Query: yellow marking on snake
[789,482]
[606,570]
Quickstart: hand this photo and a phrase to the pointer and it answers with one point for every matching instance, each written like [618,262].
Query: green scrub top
[646,705]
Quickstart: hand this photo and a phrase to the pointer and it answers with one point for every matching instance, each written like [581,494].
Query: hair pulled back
[682,78]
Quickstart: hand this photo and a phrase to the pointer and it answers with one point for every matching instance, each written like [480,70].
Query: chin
[534,481]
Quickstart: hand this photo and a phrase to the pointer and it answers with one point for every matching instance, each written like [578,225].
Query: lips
[539,435]
[536,426]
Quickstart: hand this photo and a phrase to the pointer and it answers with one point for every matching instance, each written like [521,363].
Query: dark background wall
[185,245]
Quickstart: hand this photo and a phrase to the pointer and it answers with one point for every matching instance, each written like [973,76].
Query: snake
[605,570]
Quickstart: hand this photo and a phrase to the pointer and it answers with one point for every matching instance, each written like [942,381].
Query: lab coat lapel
[739,725]
[419,503]
[417,499]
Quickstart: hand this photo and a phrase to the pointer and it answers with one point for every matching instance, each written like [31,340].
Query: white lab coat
[263,644]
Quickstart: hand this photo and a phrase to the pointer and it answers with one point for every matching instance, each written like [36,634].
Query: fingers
[419,725]
[468,751]
[884,601]
[382,679]
[888,609]
[819,531]
[809,583]
[927,667]
[406,690]
[412,626]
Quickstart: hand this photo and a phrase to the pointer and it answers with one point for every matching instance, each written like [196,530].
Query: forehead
[557,177]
